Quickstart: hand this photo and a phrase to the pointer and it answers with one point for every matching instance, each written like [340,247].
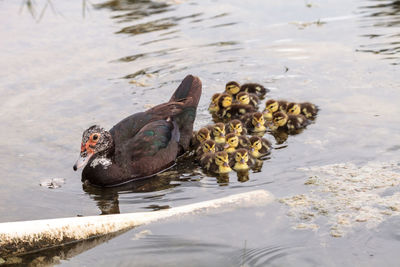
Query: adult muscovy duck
[142,144]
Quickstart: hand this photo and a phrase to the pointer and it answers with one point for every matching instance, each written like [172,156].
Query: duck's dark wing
[154,148]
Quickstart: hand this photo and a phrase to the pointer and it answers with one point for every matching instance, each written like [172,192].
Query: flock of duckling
[236,140]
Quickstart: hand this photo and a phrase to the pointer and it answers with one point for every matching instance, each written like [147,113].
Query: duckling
[207,146]
[218,132]
[224,102]
[216,162]
[237,110]
[254,88]
[213,107]
[259,147]
[272,106]
[255,122]
[307,109]
[232,88]
[235,126]
[276,105]
[288,122]
[248,99]
[233,142]
[242,160]
[199,137]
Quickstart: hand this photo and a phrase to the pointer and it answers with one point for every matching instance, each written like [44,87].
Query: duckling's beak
[226,145]
[252,149]
[258,125]
[222,135]
[225,164]
[242,161]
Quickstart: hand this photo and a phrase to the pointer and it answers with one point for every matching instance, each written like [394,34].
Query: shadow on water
[381,19]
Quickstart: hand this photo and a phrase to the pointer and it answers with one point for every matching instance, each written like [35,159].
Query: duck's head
[272,105]
[218,130]
[203,134]
[243,98]
[236,127]
[225,101]
[241,156]
[94,140]
[293,109]
[280,119]
[222,161]
[208,146]
[255,143]
[257,119]
[232,88]
[232,141]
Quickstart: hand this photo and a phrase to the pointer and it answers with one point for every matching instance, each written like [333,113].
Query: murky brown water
[66,66]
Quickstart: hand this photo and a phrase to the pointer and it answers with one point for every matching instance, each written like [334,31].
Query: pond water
[66,65]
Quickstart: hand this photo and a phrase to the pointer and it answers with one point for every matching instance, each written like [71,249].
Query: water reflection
[37,11]
[381,21]
[107,199]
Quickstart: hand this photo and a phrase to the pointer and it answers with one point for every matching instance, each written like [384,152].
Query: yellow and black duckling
[254,88]
[259,147]
[224,102]
[307,109]
[243,161]
[218,132]
[248,99]
[213,107]
[216,162]
[272,106]
[228,110]
[283,121]
[235,126]
[233,88]
[199,137]
[255,122]
[236,111]
[207,146]
[234,142]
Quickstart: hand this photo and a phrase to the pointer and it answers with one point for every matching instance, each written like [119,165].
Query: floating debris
[52,183]
[347,195]
[142,234]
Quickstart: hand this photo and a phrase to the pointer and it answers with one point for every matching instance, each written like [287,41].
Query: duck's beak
[84,157]
[226,145]
[82,161]
[242,161]
[225,164]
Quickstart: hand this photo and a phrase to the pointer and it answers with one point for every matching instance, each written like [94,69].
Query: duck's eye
[95,137]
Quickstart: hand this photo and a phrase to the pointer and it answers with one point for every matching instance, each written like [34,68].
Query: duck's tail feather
[188,93]
[190,87]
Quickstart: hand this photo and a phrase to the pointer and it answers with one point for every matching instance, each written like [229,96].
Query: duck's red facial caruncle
[94,140]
